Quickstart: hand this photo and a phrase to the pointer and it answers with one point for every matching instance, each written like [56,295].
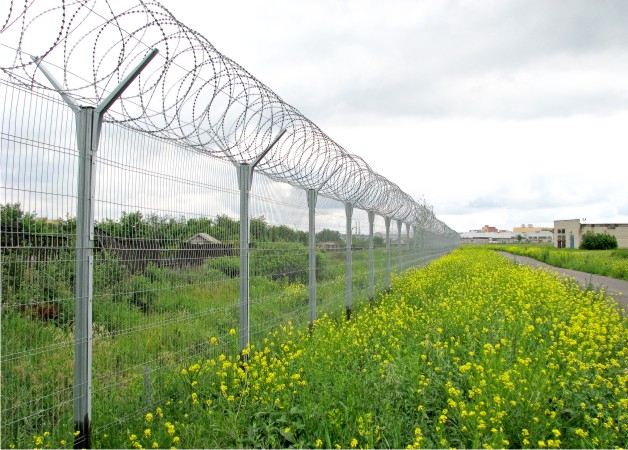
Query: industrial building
[568,233]
[506,237]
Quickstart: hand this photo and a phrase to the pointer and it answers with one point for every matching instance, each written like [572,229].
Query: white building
[506,237]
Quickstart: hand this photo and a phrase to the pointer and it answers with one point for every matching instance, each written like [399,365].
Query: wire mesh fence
[38,163]
[137,239]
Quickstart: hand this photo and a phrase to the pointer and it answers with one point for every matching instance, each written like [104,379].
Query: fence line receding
[160,204]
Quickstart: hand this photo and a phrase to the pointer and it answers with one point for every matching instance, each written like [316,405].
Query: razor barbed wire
[197,97]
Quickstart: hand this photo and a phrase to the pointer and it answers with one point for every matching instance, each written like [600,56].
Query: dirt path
[617,288]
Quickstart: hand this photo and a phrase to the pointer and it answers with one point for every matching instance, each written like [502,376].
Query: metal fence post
[84,280]
[399,223]
[88,126]
[245,180]
[414,245]
[312,195]
[349,281]
[371,215]
[245,175]
[408,258]
[387,223]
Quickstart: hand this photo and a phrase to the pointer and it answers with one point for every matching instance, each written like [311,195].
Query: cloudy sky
[497,112]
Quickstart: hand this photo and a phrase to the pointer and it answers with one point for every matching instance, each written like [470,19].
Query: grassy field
[610,263]
[144,328]
[471,351]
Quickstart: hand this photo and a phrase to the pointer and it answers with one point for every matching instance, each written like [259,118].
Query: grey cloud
[462,59]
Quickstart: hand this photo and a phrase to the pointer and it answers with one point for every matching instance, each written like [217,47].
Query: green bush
[229,265]
[598,241]
[140,292]
[109,272]
[278,260]
[274,260]
[152,272]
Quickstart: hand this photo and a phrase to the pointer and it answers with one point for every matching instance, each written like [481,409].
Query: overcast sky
[496,112]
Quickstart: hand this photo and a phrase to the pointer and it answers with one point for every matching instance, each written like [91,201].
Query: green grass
[610,263]
[472,351]
[142,328]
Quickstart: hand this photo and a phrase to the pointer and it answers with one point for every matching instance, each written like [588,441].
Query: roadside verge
[618,289]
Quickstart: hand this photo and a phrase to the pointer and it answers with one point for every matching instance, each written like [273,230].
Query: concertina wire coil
[190,94]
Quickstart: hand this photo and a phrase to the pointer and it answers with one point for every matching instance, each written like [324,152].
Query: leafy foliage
[328,235]
[598,241]
[281,260]
[472,351]
[275,260]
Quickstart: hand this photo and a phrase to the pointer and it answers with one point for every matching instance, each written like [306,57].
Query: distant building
[203,239]
[487,237]
[330,245]
[475,237]
[488,229]
[568,233]
[530,229]
[506,237]
[542,236]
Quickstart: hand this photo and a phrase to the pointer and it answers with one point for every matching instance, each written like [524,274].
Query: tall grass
[610,263]
[471,351]
[146,322]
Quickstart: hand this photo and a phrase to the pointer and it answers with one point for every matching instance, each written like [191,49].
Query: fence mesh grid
[166,264]
[37,167]
[163,248]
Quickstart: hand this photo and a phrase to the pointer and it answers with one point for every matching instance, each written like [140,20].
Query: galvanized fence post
[371,215]
[399,223]
[245,175]
[311,204]
[387,223]
[414,245]
[349,281]
[84,279]
[88,127]
[408,255]
[245,180]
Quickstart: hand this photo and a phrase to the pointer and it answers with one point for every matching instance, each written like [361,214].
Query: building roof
[206,237]
[504,234]
[488,234]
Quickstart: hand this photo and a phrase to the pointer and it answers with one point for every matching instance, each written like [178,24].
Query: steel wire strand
[196,97]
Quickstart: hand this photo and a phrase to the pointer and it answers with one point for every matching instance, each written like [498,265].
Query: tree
[12,216]
[132,224]
[259,229]
[19,227]
[284,233]
[200,225]
[226,229]
[328,235]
